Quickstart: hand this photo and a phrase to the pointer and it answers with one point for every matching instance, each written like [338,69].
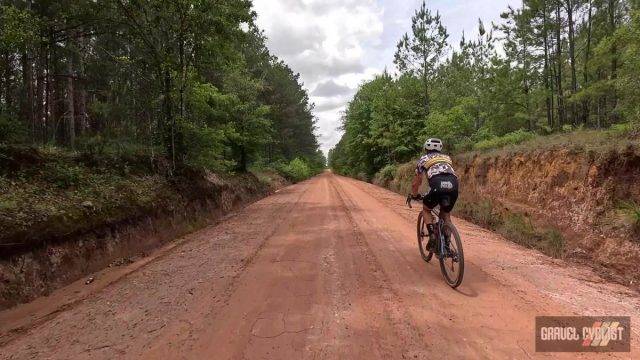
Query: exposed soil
[34,268]
[579,192]
[327,268]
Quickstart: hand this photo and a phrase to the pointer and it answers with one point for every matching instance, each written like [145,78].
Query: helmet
[433,144]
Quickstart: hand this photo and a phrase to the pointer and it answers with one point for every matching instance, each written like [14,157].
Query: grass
[632,210]
[516,227]
[513,138]
[595,142]
[385,175]
[50,193]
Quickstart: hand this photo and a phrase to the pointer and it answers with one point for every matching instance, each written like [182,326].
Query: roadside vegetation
[517,227]
[565,67]
[50,193]
[189,82]
[113,110]
[565,80]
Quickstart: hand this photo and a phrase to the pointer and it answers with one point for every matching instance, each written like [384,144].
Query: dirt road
[325,269]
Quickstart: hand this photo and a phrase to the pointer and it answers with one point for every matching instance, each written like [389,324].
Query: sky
[336,45]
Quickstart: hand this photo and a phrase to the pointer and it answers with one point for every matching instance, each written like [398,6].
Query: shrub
[296,170]
[203,147]
[553,243]
[518,229]
[11,130]
[567,128]
[481,213]
[633,211]
[513,138]
[385,175]
[513,226]
[63,175]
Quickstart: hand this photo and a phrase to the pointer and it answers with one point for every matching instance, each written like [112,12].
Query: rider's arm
[415,186]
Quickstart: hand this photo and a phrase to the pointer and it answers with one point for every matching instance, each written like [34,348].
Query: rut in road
[327,268]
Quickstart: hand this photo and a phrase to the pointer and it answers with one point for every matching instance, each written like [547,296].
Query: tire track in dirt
[326,269]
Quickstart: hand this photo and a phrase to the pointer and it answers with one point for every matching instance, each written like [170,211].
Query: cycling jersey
[435,163]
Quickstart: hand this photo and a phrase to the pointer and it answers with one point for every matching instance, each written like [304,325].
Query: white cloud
[335,45]
[325,41]
[330,88]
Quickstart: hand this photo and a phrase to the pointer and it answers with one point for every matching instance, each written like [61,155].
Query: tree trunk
[561,109]
[585,70]
[169,121]
[8,92]
[614,56]
[427,104]
[26,103]
[70,115]
[572,58]
[40,95]
[525,82]
[547,85]
[82,118]
[614,49]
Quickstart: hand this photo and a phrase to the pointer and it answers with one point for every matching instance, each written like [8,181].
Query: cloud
[335,45]
[330,88]
[324,41]
[324,104]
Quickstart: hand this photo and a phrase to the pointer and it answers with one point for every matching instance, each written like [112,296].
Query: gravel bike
[448,252]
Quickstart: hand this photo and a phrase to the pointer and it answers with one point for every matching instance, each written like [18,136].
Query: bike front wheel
[452,261]
[423,238]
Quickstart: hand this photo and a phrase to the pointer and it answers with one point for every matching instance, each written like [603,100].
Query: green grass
[632,210]
[513,138]
[515,227]
[385,175]
[50,193]
[595,142]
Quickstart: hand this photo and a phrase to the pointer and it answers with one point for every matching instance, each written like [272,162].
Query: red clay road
[325,269]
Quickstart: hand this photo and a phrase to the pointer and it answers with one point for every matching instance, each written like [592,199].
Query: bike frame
[440,227]
[435,212]
[443,246]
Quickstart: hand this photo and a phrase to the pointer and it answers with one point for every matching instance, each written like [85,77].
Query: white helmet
[433,144]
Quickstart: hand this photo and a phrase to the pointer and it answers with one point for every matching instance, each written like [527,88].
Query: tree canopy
[191,80]
[547,66]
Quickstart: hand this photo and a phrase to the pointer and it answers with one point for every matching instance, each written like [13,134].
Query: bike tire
[454,282]
[421,228]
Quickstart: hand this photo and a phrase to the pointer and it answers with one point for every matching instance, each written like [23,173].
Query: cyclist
[443,185]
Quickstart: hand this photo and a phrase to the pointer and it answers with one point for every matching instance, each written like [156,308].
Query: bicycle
[443,247]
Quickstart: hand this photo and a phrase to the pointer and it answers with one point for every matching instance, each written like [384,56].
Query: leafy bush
[633,211]
[296,170]
[567,128]
[513,138]
[11,130]
[385,175]
[63,175]
[203,146]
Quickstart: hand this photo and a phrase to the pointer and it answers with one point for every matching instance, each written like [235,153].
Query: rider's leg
[446,217]
[426,214]
[428,220]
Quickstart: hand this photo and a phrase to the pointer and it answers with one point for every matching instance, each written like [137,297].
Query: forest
[548,66]
[187,82]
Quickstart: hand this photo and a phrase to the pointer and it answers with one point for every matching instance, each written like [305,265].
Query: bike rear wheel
[452,263]
[423,238]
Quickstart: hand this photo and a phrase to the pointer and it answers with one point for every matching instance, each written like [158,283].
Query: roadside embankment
[573,196]
[64,215]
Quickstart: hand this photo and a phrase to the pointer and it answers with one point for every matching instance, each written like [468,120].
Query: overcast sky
[337,44]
